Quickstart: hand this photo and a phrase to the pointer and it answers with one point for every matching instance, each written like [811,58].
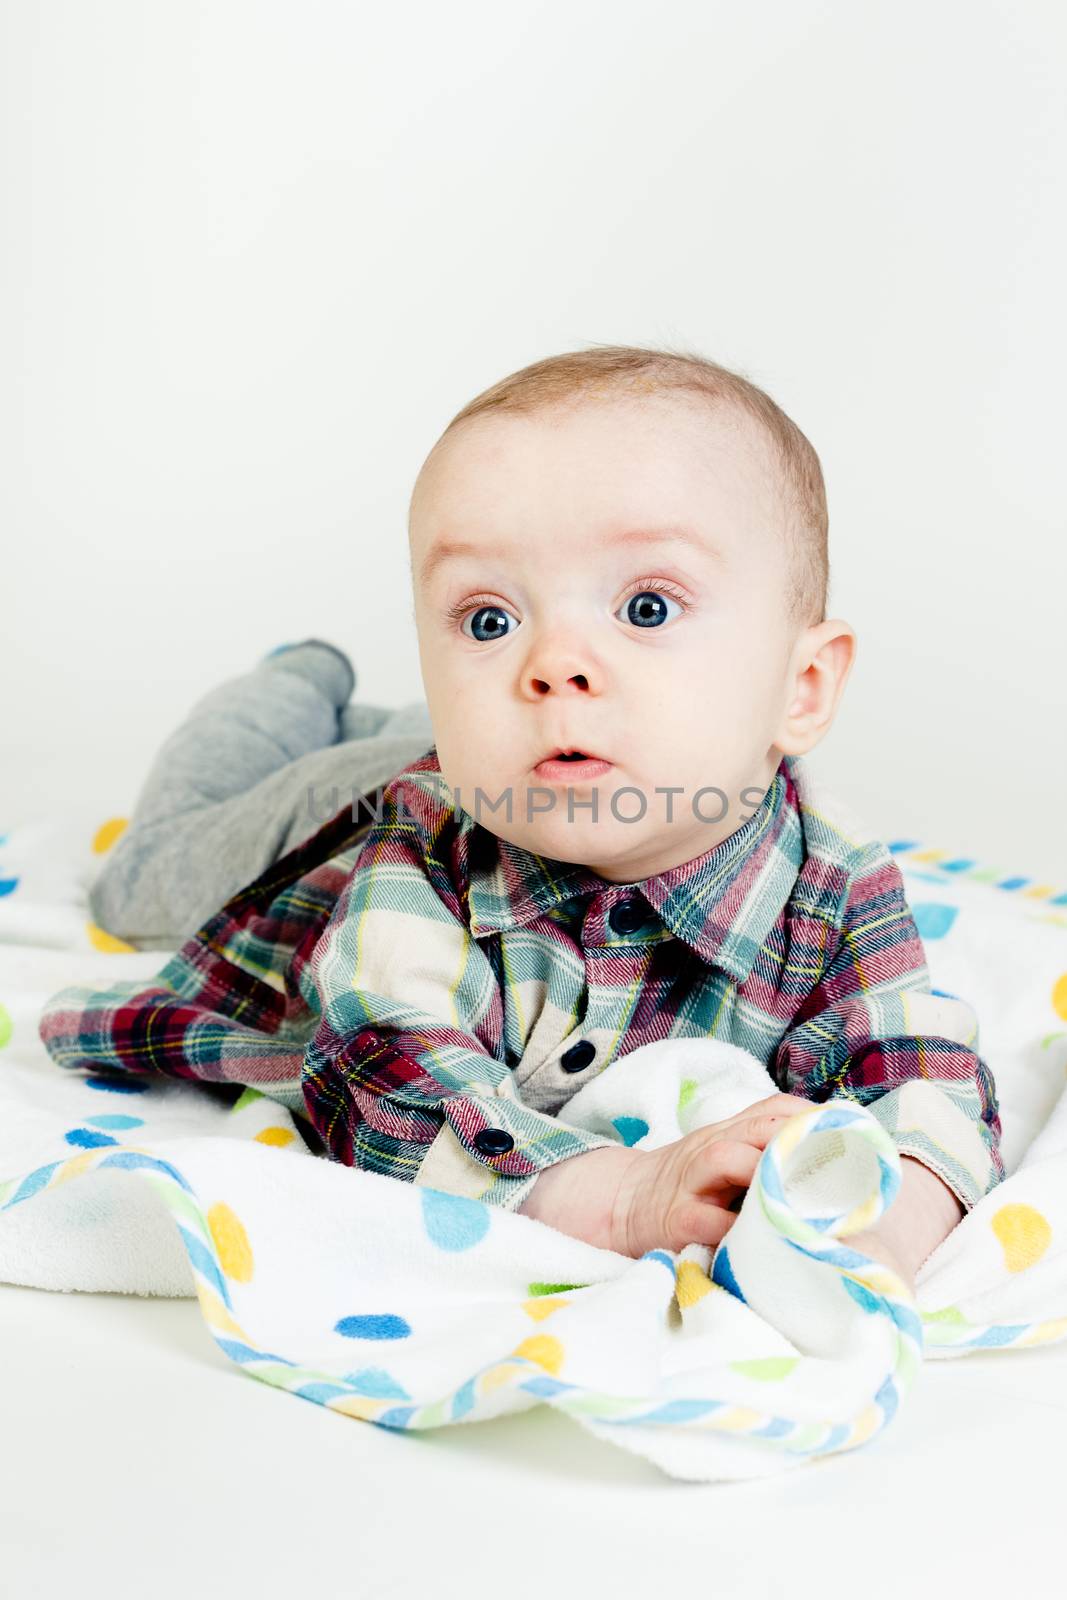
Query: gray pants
[258,765]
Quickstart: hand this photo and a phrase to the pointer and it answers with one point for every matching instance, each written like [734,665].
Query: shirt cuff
[504,1177]
[924,1122]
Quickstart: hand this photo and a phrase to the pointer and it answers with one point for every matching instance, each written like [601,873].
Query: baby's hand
[637,1200]
[682,1193]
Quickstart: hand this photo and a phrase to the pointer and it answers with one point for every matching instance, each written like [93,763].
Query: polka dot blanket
[411,1308]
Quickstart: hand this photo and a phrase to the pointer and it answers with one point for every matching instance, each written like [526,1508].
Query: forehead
[605,464]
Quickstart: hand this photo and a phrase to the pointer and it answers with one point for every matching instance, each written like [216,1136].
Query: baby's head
[623,552]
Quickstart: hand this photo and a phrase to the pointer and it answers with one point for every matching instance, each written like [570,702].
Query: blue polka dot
[36,1180]
[722,1273]
[453,1221]
[1004,1334]
[87,1138]
[888,1398]
[778,1427]
[934,920]
[630,1128]
[871,1303]
[117,1085]
[463,1400]
[377,1383]
[681,1411]
[8,885]
[115,1119]
[381,1326]
[321,1393]
[398,1417]
[134,1161]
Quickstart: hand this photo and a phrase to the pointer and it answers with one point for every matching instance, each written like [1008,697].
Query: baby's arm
[873,1032]
[921,1217]
[683,1193]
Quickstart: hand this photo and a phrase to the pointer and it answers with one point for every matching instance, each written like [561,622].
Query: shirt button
[627,916]
[578,1056]
[493,1142]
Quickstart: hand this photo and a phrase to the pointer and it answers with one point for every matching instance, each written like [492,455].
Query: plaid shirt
[429,995]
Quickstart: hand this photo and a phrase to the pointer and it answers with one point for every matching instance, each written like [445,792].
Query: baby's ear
[819,667]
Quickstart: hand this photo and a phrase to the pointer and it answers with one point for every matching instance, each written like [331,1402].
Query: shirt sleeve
[404,1074]
[873,1032]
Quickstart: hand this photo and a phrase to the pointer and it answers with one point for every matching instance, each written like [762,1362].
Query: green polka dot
[7,1027]
[553,1288]
[247,1098]
[766,1368]
[948,1314]
[686,1093]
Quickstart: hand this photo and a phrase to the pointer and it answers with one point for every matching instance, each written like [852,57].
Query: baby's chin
[621,852]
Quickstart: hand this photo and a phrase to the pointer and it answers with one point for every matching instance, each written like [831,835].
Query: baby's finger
[777,1105]
[784,1104]
[760,1130]
[723,1164]
[697,1222]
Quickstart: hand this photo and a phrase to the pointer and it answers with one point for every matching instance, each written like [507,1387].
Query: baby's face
[621,591]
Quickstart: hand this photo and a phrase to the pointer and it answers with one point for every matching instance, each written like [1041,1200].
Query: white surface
[256,255]
[146,1462]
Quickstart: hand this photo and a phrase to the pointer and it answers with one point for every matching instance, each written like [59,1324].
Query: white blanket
[414,1309]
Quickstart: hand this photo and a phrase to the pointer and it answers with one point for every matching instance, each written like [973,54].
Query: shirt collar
[722,904]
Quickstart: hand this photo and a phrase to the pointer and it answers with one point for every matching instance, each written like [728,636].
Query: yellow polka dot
[539,1308]
[864,1426]
[739,1419]
[107,833]
[542,1348]
[231,1242]
[1059,996]
[1045,1331]
[76,1165]
[106,941]
[497,1377]
[276,1136]
[1024,1235]
[692,1284]
[357,1405]
[217,1315]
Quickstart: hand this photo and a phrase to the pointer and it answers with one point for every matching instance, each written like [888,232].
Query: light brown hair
[632,369]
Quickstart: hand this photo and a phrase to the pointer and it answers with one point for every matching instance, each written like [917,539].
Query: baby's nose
[577,683]
[560,664]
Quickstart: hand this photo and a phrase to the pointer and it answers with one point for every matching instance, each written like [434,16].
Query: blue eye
[486,623]
[647,608]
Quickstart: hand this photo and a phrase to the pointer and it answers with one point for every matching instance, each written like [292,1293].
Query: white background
[256,255]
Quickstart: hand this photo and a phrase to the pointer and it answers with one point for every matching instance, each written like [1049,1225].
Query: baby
[619,560]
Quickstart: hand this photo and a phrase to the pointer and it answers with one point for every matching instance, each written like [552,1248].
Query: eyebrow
[452,549]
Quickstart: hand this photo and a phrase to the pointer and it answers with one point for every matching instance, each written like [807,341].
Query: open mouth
[580,763]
